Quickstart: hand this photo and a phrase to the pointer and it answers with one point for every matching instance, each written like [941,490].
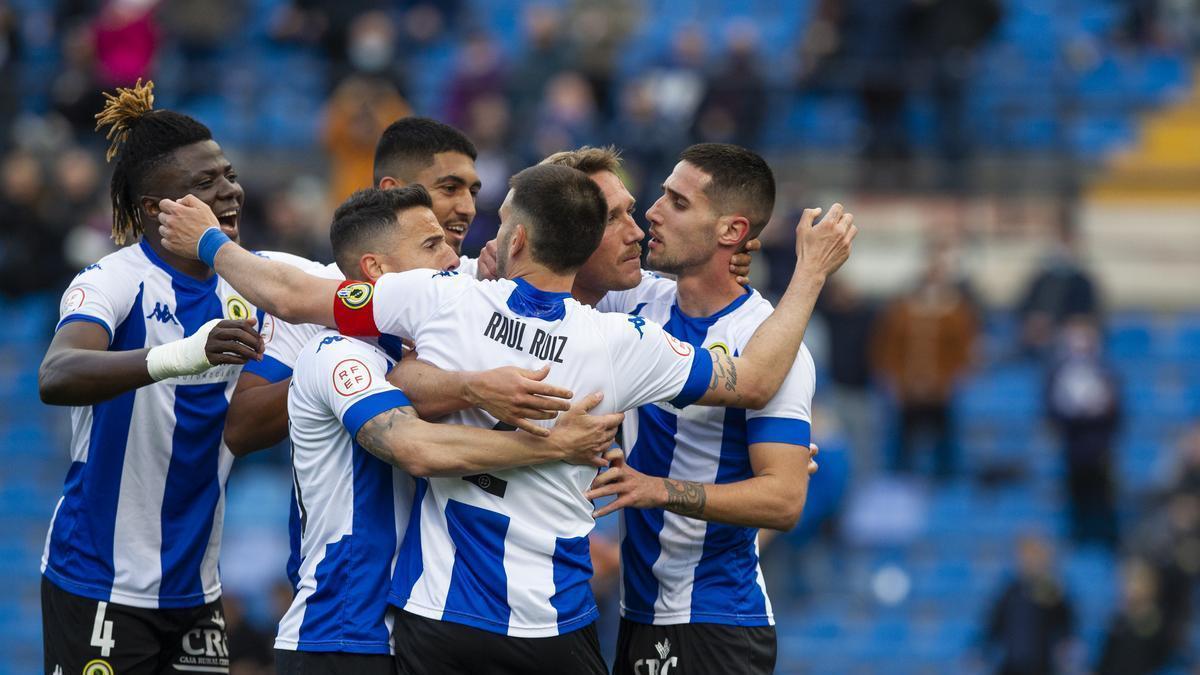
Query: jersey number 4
[102,631]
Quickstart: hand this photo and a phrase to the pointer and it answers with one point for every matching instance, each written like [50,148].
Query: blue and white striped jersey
[507,551]
[139,522]
[353,506]
[676,569]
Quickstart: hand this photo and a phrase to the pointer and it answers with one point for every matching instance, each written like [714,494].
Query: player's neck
[705,290]
[545,279]
[187,266]
[586,296]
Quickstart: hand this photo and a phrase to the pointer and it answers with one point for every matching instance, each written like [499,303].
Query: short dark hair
[409,144]
[588,159]
[142,138]
[565,211]
[742,182]
[365,215]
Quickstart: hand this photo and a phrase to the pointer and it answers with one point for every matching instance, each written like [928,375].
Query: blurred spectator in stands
[294,218]
[31,258]
[371,40]
[425,21]
[946,35]
[1083,405]
[677,84]
[360,108]
[650,143]
[599,29]
[862,47]
[735,101]
[1061,288]
[479,73]
[567,118]
[251,651]
[544,55]
[127,38]
[1185,476]
[80,214]
[848,319]
[921,349]
[1138,639]
[201,29]
[488,128]
[1031,622]
[75,93]
[10,81]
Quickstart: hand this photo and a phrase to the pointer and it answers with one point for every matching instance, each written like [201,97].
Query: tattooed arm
[399,437]
[773,498]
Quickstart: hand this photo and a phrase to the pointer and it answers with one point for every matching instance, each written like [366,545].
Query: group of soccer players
[451,420]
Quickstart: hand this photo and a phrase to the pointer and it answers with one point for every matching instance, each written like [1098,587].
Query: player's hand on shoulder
[233,341]
[516,396]
[583,438]
[487,268]
[632,488]
[822,248]
[182,222]
[813,451]
[739,264]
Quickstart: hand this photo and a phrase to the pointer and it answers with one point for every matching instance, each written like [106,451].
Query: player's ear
[518,241]
[732,230]
[370,266]
[387,183]
[150,206]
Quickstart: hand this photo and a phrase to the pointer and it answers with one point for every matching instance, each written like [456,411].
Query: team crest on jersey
[356,296]
[74,300]
[97,667]
[719,347]
[236,308]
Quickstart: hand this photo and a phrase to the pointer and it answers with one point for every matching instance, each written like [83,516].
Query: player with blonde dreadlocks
[147,351]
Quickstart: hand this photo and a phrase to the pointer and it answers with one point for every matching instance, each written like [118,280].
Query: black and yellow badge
[356,296]
[97,667]
[236,308]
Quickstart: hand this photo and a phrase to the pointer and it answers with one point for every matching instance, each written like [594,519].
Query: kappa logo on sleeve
[351,377]
[356,296]
[638,322]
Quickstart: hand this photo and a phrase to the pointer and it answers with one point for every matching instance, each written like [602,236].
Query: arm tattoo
[685,497]
[374,433]
[723,371]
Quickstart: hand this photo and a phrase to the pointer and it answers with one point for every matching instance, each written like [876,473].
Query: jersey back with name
[507,551]
[676,569]
[353,506]
[139,522]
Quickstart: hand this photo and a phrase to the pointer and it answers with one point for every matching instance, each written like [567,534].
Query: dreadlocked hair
[141,138]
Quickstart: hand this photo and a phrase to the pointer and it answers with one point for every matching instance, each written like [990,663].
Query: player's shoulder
[292,259]
[129,261]
[653,289]
[326,347]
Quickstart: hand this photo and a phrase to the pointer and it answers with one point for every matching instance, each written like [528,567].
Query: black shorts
[293,662]
[428,647]
[694,649]
[81,635]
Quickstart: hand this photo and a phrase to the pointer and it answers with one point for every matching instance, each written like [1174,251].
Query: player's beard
[502,254]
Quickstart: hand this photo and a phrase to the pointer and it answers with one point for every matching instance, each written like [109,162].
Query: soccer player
[702,481]
[146,352]
[516,595]
[354,505]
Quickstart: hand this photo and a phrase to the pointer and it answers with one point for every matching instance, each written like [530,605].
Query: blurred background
[1008,400]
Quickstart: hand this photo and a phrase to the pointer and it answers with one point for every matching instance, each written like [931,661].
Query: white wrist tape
[181,357]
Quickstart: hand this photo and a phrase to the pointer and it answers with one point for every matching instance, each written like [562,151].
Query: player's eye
[232,177]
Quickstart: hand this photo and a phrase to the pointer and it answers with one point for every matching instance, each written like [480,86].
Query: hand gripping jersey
[507,551]
[353,506]
[676,569]
[139,522]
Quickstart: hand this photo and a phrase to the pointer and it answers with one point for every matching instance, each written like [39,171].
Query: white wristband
[181,357]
